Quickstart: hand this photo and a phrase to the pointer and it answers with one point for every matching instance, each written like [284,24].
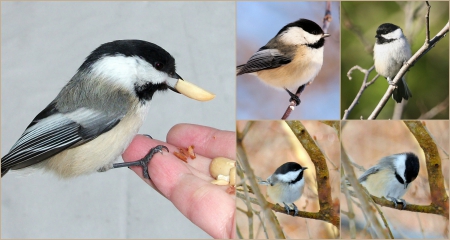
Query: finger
[141,145]
[209,142]
[206,205]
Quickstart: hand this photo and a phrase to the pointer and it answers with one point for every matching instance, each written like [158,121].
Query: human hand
[187,185]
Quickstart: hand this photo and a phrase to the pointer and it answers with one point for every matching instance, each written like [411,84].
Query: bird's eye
[159,65]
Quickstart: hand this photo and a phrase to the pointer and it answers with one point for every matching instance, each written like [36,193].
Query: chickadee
[286,185]
[390,52]
[391,177]
[96,115]
[291,59]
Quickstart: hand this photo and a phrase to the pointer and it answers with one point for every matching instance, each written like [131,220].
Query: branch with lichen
[439,197]
[326,211]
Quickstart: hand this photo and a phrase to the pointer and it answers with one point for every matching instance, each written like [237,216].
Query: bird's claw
[294,97]
[287,208]
[143,162]
[396,200]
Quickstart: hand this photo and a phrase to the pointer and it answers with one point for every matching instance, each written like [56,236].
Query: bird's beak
[325,35]
[188,89]
[304,168]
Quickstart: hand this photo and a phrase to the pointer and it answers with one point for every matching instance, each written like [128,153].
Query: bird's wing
[263,59]
[52,132]
[367,173]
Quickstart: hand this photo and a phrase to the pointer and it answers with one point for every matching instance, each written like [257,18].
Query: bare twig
[292,104]
[427,20]
[326,23]
[327,19]
[351,212]
[381,215]
[427,46]
[364,85]
[243,161]
[357,30]
[435,110]
[363,199]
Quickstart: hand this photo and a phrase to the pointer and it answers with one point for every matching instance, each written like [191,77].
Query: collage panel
[381,38]
[162,120]
[44,44]
[282,45]
[288,179]
[404,167]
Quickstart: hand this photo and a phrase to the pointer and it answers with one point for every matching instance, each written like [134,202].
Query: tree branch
[427,46]
[322,175]
[363,198]
[439,198]
[364,85]
[326,23]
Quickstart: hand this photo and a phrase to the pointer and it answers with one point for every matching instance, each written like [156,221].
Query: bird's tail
[4,171]
[402,91]
[238,69]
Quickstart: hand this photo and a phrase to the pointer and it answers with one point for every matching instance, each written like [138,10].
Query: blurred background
[428,79]
[257,23]
[365,143]
[43,44]
[268,145]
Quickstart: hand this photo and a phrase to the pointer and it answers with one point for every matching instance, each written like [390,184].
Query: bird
[286,185]
[390,52]
[291,59]
[97,113]
[391,176]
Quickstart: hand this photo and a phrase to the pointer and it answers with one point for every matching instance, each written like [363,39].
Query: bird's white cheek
[127,71]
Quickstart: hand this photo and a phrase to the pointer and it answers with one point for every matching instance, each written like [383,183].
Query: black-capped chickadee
[391,177]
[291,59]
[390,52]
[286,185]
[93,119]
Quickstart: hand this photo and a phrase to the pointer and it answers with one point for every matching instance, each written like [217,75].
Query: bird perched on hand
[286,185]
[390,52]
[391,177]
[291,59]
[93,119]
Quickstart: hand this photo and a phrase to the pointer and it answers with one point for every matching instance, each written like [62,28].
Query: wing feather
[264,59]
[50,134]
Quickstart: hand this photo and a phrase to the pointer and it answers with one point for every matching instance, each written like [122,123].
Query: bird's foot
[397,200]
[294,97]
[143,162]
[390,82]
[286,206]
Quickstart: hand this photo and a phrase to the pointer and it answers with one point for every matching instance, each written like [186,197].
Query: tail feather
[401,92]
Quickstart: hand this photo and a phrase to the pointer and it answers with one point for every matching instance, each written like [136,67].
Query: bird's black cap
[150,52]
[386,28]
[307,25]
[412,167]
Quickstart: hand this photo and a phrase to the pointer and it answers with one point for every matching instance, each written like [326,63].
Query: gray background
[42,46]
